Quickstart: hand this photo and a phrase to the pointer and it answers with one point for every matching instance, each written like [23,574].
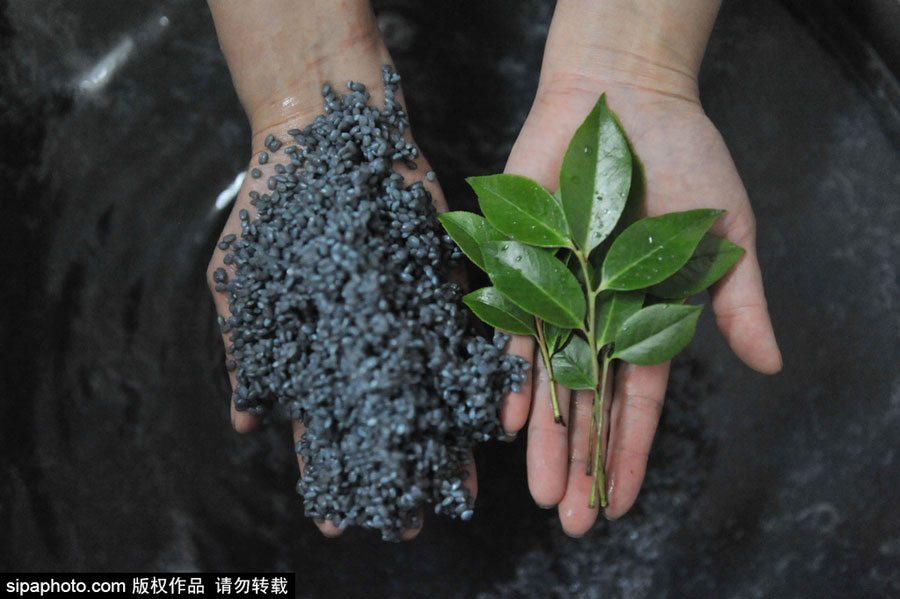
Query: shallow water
[120,129]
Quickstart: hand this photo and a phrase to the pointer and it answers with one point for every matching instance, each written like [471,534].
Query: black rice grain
[342,314]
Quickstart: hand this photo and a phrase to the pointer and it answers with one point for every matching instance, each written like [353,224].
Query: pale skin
[645,55]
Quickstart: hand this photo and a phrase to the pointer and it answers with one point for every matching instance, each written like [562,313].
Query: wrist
[279,56]
[296,100]
[653,46]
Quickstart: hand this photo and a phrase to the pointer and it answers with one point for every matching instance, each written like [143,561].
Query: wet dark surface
[116,451]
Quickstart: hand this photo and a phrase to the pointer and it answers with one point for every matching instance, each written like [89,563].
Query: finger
[325,526]
[411,533]
[575,514]
[470,482]
[741,312]
[738,299]
[471,479]
[538,151]
[419,173]
[548,442]
[242,422]
[634,416]
[516,404]
[328,529]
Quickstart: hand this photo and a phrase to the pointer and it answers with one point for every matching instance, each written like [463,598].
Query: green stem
[595,442]
[545,354]
[599,482]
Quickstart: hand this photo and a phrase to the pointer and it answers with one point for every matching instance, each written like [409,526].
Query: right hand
[279,57]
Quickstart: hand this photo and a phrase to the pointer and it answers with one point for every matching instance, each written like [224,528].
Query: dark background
[116,451]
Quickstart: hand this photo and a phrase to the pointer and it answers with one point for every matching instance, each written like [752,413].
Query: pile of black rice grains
[341,312]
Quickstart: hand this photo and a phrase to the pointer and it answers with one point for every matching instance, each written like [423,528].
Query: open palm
[687,165]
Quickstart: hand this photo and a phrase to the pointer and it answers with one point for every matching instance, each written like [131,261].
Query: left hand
[687,165]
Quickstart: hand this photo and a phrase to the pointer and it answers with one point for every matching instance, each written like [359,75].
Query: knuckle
[577,459]
[741,228]
[641,452]
[547,431]
[644,404]
[739,310]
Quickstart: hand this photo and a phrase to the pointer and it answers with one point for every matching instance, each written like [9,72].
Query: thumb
[739,303]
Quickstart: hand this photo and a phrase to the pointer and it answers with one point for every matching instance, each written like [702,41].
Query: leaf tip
[473,181]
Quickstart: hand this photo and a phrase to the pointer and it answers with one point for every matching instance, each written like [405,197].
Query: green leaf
[656,333]
[650,300]
[469,231]
[555,336]
[595,177]
[636,195]
[652,249]
[712,259]
[615,308]
[522,209]
[536,281]
[489,305]
[573,365]
[630,215]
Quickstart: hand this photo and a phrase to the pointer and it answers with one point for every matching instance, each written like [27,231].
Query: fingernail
[510,437]
[544,507]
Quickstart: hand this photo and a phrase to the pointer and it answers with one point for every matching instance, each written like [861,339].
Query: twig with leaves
[582,274]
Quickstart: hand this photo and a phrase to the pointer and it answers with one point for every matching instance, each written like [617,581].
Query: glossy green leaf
[469,231]
[656,333]
[650,300]
[636,195]
[595,177]
[630,215]
[522,209]
[536,281]
[555,336]
[613,309]
[653,249]
[712,259]
[489,305]
[573,365]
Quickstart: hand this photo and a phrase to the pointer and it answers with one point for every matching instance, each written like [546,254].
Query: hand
[279,83]
[687,165]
